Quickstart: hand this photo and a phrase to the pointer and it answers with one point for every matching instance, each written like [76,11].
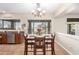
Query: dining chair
[49,43]
[29,41]
[53,43]
[39,44]
[25,49]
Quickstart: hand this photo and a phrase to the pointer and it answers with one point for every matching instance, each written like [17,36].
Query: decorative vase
[39,31]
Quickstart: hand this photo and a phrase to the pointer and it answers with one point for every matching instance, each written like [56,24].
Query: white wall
[60,23]
[68,42]
[25,17]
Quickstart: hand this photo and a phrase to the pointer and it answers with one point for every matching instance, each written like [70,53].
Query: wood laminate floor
[18,49]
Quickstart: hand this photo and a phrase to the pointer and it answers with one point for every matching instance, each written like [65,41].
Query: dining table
[30,42]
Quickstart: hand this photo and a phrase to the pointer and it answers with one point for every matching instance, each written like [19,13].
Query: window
[39,26]
[9,23]
[17,25]
[73,26]
[71,29]
[1,24]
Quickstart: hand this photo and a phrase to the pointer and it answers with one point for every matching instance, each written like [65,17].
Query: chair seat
[31,43]
[39,46]
[47,42]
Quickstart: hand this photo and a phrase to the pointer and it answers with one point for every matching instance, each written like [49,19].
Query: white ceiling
[25,7]
[54,8]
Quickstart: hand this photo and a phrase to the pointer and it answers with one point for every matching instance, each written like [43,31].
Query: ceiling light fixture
[38,11]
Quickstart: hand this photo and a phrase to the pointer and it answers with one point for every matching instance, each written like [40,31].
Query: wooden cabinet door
[4,38]
[17,38]
[0,38]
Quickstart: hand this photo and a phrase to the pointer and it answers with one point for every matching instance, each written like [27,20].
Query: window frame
[30,22]
[12,21]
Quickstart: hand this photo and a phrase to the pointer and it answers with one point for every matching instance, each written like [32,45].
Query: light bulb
[43,11]
[39,9]
[40,13]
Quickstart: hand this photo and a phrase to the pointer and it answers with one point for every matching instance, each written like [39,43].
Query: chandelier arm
[38,11]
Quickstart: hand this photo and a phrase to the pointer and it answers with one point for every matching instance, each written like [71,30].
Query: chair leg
[25,52]
[34,50]
[26,49]
[44,52]
[54,52]
[51,52]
